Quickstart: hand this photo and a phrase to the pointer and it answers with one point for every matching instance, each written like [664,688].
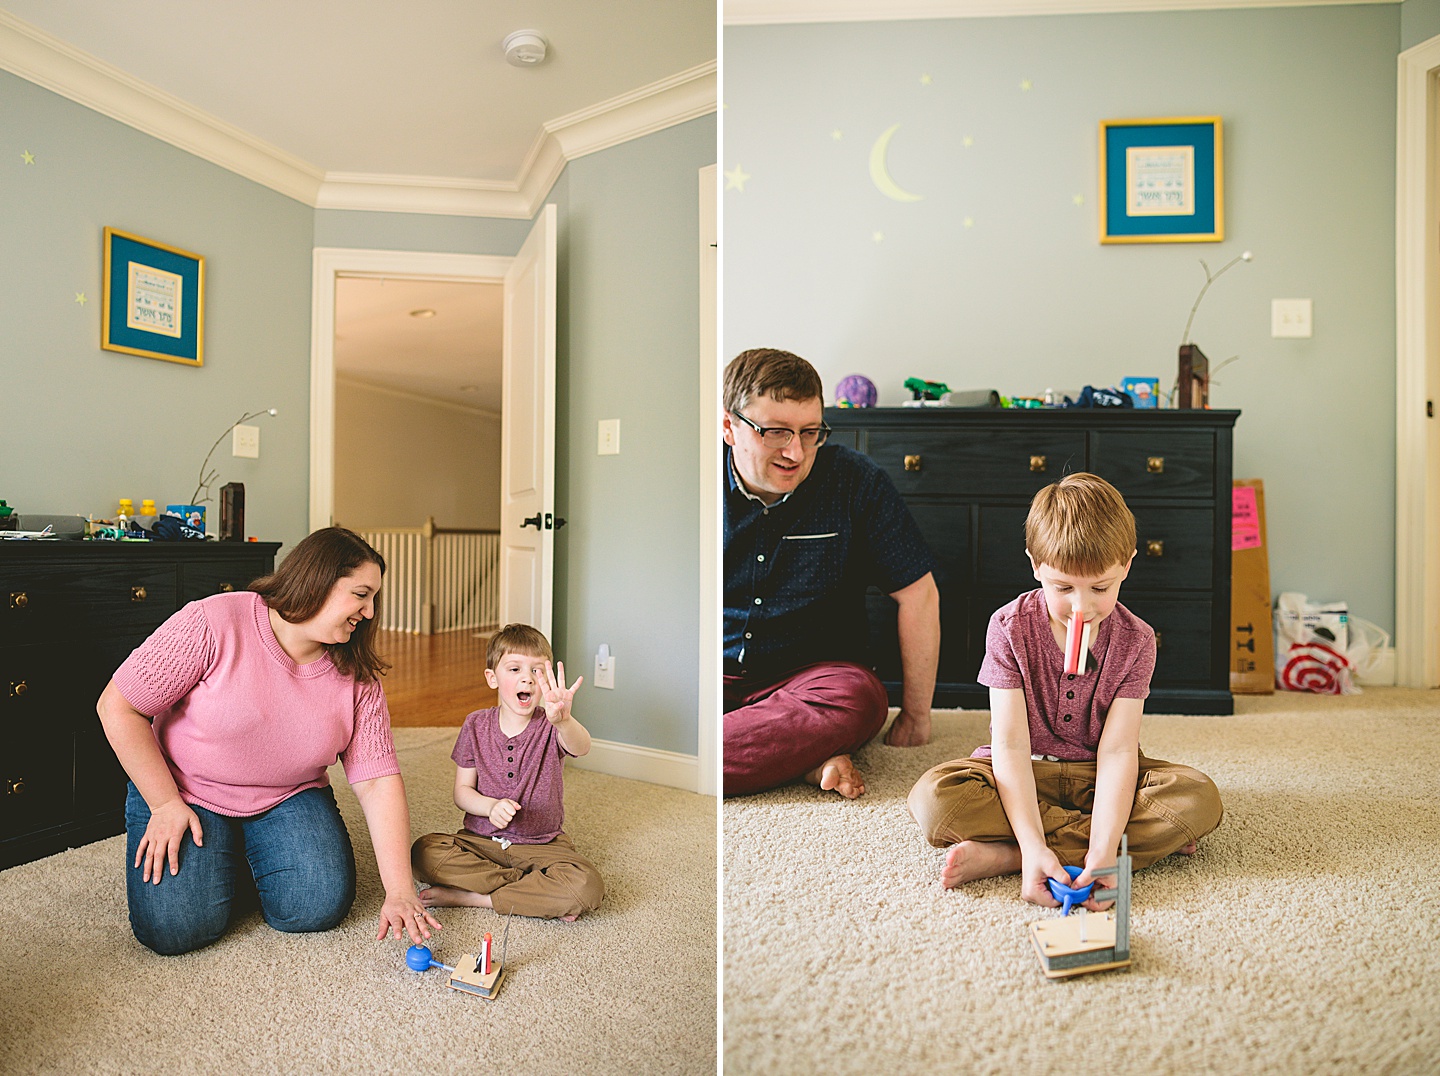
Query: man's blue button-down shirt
[796,572]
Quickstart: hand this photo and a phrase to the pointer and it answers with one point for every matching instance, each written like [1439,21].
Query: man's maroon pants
[780,728]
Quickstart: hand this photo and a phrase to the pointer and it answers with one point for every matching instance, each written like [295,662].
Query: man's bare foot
[969,861]
[838,774]
[444,896]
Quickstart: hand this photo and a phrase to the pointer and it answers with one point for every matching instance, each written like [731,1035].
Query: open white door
[527,452]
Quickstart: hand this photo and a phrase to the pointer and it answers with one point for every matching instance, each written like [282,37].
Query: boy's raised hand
[557,696]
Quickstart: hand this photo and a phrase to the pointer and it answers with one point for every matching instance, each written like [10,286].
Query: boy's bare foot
[444,896]
[838,774]
[969,861]
[1189,849]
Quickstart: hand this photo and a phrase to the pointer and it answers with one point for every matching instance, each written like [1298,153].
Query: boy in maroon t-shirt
[511,854]
[1064,776]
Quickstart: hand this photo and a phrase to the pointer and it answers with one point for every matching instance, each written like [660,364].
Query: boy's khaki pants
[1174,806]
[544,880]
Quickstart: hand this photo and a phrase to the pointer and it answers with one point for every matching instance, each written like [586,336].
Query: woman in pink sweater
[226,719]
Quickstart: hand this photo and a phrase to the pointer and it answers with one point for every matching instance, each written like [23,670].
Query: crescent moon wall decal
[880,171]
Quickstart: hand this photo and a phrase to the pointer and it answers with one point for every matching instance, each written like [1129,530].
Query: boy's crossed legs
[957,805]
[548,881]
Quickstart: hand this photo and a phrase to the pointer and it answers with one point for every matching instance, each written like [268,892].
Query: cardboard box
[1252,644]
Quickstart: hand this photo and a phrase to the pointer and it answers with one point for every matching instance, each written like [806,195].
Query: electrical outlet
[245,442]
[609,437]
[605,668]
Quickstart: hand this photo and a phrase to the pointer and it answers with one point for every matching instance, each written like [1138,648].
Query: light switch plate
[609,437]
[245,442]
[1290,317]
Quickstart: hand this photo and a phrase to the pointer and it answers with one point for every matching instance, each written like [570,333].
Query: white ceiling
[454,356]
[387,87]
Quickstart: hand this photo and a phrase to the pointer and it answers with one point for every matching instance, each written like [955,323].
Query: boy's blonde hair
[517,639]
[1080,526]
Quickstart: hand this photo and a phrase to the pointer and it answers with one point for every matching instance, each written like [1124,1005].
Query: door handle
[553,522]
[533,521]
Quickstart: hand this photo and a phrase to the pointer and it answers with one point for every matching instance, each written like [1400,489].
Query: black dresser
[968,477]
[70,613]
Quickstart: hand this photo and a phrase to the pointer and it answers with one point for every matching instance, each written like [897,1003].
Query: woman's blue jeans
[298,853]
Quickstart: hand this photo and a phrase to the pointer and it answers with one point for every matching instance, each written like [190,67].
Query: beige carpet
[627,989]
[1303,938]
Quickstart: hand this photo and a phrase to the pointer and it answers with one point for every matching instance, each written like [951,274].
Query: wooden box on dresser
[70,613]
[968,477]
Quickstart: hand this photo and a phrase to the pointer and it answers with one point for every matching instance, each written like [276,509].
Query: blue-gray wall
[1419,21]
[996,278]
[81,427]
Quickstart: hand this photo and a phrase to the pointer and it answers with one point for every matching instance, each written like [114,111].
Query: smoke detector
[524,48]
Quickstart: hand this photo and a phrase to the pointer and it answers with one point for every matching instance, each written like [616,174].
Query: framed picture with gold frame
[154,300]
[1161,181]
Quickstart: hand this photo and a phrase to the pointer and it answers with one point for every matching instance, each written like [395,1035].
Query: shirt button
[1067,717]
[757,601]
[760,557]
[1069,676]
[511,759]
[512,772]
[1069,694]
[764,511]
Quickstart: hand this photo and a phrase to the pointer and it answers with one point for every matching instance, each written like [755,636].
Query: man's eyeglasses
[780,436]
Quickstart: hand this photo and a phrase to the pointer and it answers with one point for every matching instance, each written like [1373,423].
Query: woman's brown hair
[298,588]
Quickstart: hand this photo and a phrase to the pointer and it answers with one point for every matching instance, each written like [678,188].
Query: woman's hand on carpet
[163,836]
[403,914]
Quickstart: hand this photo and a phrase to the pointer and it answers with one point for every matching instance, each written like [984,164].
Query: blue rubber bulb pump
[1067,896]
[419,958]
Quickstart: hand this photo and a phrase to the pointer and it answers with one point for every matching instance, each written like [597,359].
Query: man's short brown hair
[766,371]
[1080,526]
[517,639]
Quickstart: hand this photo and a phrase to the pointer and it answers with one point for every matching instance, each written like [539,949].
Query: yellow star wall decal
[879,237]
[1079,199]
[837,134]
[1026,84]
[736,178]
[80,298]
[27,157]
[926,80]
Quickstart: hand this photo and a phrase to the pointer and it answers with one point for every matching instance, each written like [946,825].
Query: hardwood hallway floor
[434,679]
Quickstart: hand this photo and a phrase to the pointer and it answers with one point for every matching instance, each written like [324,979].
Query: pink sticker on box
[1244,519]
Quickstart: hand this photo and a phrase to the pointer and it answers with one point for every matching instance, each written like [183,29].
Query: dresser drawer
[1175,463]
[943,462]
[1175,550]
[59,602]
[202,580]
[1183,653]
[36,779]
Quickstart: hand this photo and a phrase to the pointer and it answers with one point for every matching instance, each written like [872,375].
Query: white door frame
[1417,380]
[329,264]
[707,780]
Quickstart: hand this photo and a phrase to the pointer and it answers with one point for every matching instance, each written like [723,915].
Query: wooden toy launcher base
[467,979]
[1095,941]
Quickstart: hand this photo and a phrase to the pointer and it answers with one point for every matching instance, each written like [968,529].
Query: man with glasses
[808,528]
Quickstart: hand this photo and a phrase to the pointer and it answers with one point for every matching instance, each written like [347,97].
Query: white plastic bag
[1312,647]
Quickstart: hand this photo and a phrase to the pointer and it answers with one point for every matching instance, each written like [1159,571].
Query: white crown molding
[47,61]
[414,397]
[767,12]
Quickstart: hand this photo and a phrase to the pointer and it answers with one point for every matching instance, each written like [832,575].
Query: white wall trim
[329,263]
[414,397]
[47,61]
[765,12]
[1417,504]
[709,485]
[640,764]
[50,62]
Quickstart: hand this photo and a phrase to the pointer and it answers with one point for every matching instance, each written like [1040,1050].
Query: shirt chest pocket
[811,563]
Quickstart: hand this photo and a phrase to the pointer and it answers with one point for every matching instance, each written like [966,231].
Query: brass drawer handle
[1154,547]
[1037,463]
[19,599]
[18,688]
[1159,640]
[912,463]
[226,588]
[137,594]
[1155,465]
[14,786]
